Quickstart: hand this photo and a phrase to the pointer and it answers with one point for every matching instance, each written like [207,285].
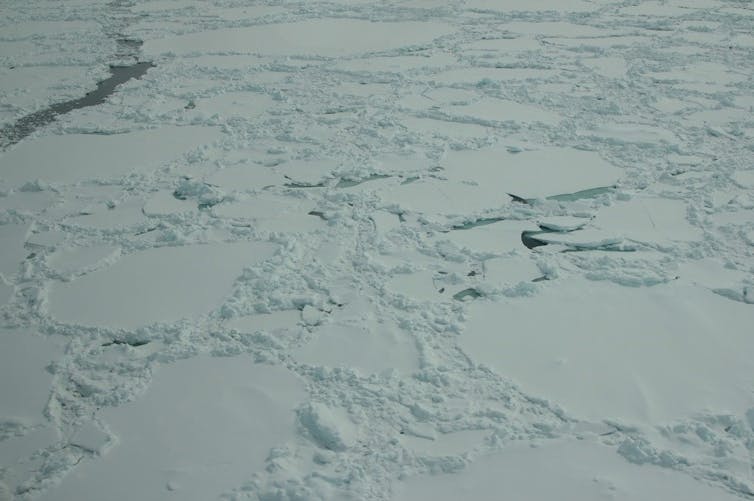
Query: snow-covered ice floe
[343,250]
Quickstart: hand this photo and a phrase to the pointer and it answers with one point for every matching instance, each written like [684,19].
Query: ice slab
[510,271]
[203,427]
[76,157]
[6,291]
[661,353]
[504,45]
[270,322]
[744,178]
[163,203]
[273,213]
[156,285]
[496,238]
[631,134]
[27,86]
[434,196]
[321,37]
[501,110]
[46,239]
[530,174]
[129,213]
[531,6]
[589,238]
[12,238]
[574,471]
[25,384]
[235,104]
[609,67]
[455,130]
[417,286]
[650,220]
[372,347]
[80,259]
[246,177]
[493,75]
[710,273]
[307,172]
[396,64]
[19,460]
[446,444]
[27,201]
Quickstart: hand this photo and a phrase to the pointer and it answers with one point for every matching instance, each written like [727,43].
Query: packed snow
[395,250]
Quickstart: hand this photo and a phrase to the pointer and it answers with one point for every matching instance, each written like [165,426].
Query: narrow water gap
[14,133]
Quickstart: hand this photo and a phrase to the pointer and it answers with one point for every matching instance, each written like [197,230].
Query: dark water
[12,134]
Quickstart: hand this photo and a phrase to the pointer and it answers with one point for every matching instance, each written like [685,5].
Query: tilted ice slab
[567,470]
[156,285]
[604,351]
[75,157]
[530,174]
[25,383]
[203,427]
[589,238]
[321,37]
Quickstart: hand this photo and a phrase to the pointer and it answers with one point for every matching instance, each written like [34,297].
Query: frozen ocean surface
[394,250]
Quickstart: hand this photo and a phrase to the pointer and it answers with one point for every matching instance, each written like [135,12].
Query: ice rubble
[297,248]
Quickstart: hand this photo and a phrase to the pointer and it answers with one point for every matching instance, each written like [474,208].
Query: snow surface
[408,249]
